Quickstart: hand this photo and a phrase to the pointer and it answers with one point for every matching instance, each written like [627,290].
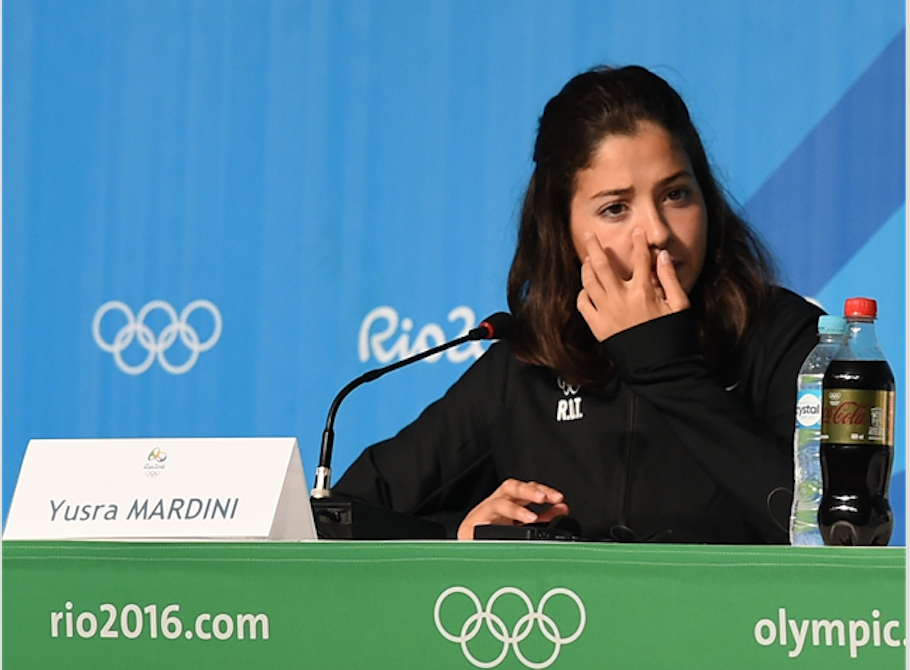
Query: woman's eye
[677,194]
[613,210]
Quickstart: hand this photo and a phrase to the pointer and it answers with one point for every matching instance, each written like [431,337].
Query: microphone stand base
[342,518]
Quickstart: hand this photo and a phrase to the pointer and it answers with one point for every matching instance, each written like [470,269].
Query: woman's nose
[655,226]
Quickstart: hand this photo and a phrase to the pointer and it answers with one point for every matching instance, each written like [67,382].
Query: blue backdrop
[217,213]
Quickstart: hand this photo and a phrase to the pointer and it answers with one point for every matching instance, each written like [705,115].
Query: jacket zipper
[627,465]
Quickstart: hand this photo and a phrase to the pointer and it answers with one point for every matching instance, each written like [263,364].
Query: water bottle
[807,490]
[857,441]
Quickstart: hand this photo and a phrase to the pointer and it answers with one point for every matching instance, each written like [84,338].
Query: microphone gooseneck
[494,327]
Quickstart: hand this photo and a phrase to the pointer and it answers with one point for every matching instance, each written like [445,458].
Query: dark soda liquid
[854,509]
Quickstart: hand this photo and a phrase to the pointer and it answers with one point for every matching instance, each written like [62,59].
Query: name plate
[161,489]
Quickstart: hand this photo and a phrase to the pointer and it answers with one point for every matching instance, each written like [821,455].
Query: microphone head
[497,326]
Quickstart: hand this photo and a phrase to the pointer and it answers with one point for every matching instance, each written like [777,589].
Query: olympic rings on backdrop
[520,631]
[156,347]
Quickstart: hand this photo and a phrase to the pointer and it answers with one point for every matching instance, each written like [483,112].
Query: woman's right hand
[507,507]
[610,302]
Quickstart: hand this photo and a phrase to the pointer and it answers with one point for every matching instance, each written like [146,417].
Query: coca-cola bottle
[857,441]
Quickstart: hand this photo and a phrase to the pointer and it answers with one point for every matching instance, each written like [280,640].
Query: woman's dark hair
[544,279]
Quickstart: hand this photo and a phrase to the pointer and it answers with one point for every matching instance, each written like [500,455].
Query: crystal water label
[809,402]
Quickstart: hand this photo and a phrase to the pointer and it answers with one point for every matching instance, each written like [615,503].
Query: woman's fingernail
[664,257]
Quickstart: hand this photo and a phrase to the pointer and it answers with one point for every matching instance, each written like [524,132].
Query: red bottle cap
[862,307]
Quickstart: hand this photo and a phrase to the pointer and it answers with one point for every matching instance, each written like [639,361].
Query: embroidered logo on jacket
[568,408]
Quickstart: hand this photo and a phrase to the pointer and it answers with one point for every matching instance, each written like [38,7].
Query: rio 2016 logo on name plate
[156,347]
[154,464]
[511,638]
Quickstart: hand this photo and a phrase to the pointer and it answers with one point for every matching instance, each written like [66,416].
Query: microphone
[494,327]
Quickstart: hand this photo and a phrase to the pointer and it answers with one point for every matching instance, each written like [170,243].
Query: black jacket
[663,452]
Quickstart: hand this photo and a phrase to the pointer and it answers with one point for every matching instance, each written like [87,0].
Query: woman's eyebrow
[677,175]
[612,192]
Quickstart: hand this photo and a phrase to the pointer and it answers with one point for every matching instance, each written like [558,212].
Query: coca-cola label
[858,416]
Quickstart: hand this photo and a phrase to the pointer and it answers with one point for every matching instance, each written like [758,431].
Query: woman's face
[642,181]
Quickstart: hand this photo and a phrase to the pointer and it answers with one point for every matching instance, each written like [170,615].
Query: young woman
[649,387]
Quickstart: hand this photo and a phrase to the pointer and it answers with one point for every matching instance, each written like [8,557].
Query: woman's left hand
[610,302]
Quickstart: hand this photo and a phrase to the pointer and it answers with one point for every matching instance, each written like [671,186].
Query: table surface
[450,605]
